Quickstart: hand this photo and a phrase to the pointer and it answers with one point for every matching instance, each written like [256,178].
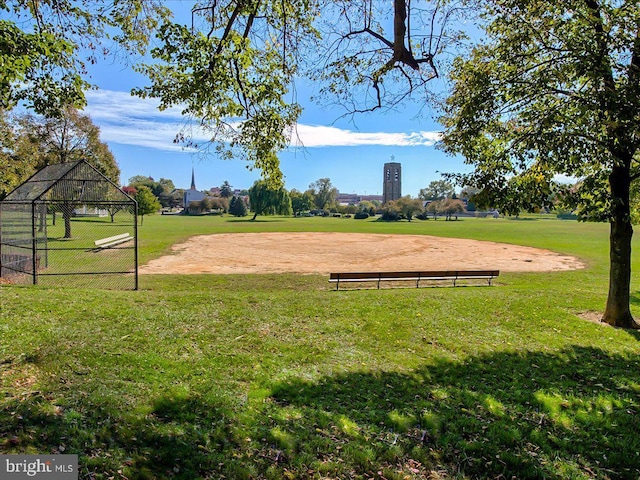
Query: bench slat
[102,241]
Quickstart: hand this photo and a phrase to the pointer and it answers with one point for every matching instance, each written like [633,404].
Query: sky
[351,152]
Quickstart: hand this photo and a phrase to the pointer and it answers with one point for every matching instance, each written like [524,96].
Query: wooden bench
[378,277]
[112,241]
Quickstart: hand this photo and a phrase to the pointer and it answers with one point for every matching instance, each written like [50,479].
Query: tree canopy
[226,190]
[31,142]
[301,201]
[324,193]
[231,71]
[45,47]
[437,190]
[147,202]
[233,67]
[408,206]
[554,89]
[163,189]
[266,200]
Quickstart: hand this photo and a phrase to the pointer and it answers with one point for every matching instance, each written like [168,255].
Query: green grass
[279,376]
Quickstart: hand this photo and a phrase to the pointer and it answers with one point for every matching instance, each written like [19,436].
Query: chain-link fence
[69,225]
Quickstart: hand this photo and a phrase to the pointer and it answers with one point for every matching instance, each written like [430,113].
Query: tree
[177,198]
[226,190]
[141,180]
[131,191]
[266,200]
[230,69]
[73,137]
[368,207]
[469,193]
[31,142]
[206,204]
[555,89]
[237,207]
[44,52]
[408,206]
[219,203]
[237,61]
[35,142]
[163,189]
[301,202]
[113,209]
[324,193]
[147,202]
[17,153]
[437,190]
[434,208]
[391,211]
[378,55]
[167,185]
[451,207]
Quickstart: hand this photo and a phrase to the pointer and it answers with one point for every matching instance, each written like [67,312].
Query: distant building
[392,182]
[348,198]
[192,195]
[355,199]
[371,198]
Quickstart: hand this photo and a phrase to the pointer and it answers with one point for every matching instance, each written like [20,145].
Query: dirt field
[322,253]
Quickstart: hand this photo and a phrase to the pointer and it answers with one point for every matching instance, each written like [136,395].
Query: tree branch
[227,30]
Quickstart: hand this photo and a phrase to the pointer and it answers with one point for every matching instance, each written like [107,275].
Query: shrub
[361,215]
[391,216]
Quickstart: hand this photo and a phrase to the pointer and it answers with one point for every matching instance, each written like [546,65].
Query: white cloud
[129,120]
[107,104]
[311,136]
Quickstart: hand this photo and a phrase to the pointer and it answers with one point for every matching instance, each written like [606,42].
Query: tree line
[321,199]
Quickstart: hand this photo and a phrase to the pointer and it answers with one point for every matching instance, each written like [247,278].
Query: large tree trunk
[67,210]
[617,311]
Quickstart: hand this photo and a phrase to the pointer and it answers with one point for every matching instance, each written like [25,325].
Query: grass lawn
[279,376]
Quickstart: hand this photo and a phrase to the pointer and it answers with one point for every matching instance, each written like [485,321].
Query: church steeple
[193,179]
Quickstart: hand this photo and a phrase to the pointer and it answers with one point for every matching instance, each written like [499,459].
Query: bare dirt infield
[322,253]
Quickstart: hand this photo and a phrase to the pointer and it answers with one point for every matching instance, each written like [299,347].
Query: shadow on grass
[568,414]
[634,298]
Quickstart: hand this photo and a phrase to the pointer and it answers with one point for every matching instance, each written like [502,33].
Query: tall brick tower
[392,181]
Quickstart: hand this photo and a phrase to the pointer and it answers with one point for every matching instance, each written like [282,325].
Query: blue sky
[351,152]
